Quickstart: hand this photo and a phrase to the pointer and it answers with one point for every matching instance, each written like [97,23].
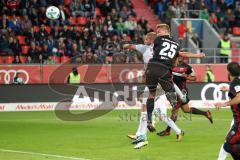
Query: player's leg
[187,109]
[222,153]
[232,143]
[161,110]
[174,115]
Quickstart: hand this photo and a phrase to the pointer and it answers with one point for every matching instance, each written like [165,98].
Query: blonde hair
[151,35]
[163,26]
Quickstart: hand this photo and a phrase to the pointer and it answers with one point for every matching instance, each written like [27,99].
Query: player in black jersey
[232,143]
[181,73]
[159,70]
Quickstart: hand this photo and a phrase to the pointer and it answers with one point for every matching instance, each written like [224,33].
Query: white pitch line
[41,154]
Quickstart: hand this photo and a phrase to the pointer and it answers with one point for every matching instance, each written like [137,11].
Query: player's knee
[172,98]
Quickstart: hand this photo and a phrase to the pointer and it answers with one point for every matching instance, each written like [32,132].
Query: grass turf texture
[105,137]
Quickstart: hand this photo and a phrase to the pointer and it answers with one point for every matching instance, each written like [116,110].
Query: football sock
[150,107]
[174,118]
[142,124]
[171,124]
[197,111]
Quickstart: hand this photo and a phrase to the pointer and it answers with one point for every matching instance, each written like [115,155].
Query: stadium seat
[64,59]
[1,60]
[73,21]
[25,49]
[82,20]
[21,40]
[79,28]
[48,29]
[98,12]
[9,59]
[236,31]
[56,59]
[23,59]
[67,2]
[36,28]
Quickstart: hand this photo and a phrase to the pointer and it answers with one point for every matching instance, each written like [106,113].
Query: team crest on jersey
[237,88]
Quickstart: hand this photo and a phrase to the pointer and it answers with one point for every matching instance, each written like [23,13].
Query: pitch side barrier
[87,97]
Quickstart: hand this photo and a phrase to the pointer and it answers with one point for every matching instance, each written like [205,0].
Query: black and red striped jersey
[233,91]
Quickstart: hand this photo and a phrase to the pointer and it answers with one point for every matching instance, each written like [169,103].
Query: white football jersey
[146,50]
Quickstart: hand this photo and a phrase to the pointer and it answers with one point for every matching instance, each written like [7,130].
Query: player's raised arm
[129,46]
[192,55]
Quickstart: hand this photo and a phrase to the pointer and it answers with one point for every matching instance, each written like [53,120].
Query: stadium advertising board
[43,98]
[117,73]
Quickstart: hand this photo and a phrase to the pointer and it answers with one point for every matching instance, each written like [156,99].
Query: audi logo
[217,93]
[7,75]
[131,75]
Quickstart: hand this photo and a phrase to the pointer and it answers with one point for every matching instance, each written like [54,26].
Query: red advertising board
[117,73]
[30,74]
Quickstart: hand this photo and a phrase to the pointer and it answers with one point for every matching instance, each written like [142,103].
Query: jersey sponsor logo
[237,88]
[8,75]
[217,94]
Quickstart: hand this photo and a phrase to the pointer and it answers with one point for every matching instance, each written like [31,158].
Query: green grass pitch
[105,138]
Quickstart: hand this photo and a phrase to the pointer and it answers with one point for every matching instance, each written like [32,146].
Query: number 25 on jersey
[169,50]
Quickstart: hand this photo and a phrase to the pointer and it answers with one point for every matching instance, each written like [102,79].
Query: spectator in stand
[26,25]
[194,5]
[4,23]
[15,24]
[42,34]
[65,33]
[33,54]
[46,53]
[89,8]
[213,20]
[17,60]
[182,31]
[225,49]
[230,17]
[15,47]
[102,54]
[204,14]
[169,14]
[223,25]
[214,6]
[81,45]
[162,7]
[143,23]
[4,46]
[237,16]
[130,25]
[120,26]
[124,14]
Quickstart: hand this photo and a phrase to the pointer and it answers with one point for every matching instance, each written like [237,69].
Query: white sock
[161,110]
[171,124]
[142,128]
[222,154]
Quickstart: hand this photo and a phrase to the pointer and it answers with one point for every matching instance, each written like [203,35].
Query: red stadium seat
[73,21]
[36,28]
[56,59]
[21,40]
[25,49]
[79,28]
[1,60]
[9,59]
[23,59]
[67,2]
[98,12]
[48,29]
[82,20]
[236,31]
[64,59]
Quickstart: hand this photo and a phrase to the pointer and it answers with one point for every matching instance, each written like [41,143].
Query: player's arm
[190,75]
[234,101]
[129,46]
[192,55]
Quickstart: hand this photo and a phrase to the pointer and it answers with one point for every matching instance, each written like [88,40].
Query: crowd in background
[92,35]
[222,14]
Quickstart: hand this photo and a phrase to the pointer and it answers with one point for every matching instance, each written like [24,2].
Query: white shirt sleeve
[141,48]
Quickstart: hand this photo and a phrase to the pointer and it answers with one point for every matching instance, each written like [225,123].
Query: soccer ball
[53,12]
